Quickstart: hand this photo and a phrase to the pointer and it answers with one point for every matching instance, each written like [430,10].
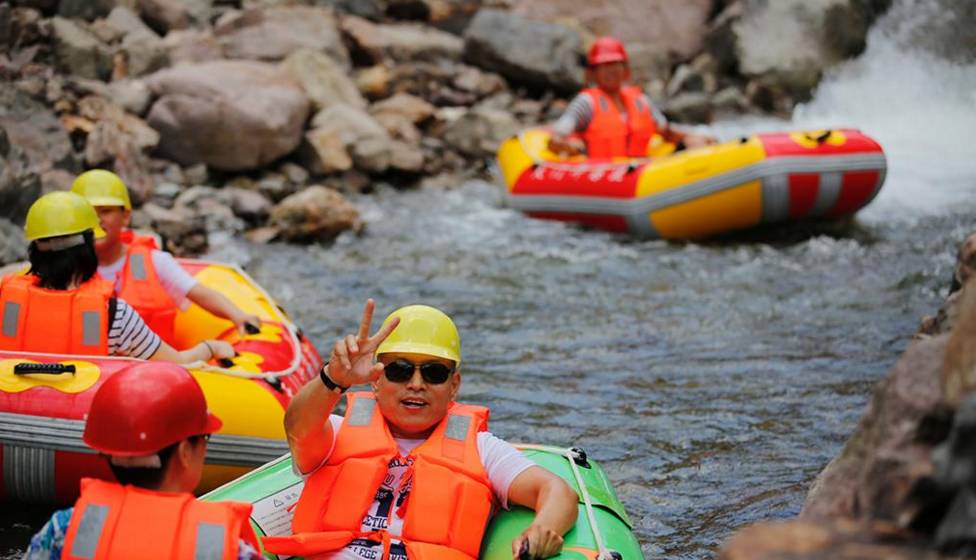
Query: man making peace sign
[408,472]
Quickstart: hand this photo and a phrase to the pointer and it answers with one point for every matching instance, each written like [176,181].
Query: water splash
[916,102]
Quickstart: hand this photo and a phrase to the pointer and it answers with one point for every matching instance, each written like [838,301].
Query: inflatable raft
[42,407]
[762,179]
[602,531]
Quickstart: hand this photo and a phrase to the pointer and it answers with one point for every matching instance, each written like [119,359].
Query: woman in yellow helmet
[408,472]
[149,279]
[61,306]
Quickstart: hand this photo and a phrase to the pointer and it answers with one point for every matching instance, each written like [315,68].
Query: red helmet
[606,49]
[147,407]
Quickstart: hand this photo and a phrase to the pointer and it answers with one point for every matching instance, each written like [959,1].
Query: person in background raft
[613,119]
[151,423]
[149,279]
[408,472]
[61,306]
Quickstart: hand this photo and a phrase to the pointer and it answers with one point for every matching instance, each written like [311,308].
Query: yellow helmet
[423,330]
[60,213]
[102,188]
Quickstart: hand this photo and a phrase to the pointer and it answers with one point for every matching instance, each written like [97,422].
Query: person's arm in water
[307,423]
[218,304]
[555,505]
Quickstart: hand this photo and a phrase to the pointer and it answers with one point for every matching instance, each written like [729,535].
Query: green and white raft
[602,531]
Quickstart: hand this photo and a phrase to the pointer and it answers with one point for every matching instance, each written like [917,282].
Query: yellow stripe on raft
[730,209]
[684,168]
[85,376]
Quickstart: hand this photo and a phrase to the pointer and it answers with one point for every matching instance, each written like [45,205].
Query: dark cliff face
[905,484]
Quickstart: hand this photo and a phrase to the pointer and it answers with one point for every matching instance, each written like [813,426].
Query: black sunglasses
[401,371]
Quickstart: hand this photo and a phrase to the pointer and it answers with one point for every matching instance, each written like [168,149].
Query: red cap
[147,407]
[606,49]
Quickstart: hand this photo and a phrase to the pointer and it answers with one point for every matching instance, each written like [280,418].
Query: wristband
[328,382]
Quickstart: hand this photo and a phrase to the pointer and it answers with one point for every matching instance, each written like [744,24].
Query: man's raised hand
[351,362]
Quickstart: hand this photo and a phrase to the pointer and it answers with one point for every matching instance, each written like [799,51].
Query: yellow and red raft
[761,179]
[42,415]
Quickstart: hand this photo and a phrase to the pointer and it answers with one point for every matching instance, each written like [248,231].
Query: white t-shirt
[175,280]
[503,463]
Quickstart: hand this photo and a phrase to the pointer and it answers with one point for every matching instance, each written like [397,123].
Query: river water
[713,380]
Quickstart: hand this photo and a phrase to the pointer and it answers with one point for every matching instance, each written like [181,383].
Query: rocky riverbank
[257,117]
[904,487]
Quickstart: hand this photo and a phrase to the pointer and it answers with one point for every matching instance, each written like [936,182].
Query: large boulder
[230,115]
[672,30]
[274,33]
[787,44]
[316,213]
[530,53]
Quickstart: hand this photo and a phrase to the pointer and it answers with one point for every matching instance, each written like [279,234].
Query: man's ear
[126,215]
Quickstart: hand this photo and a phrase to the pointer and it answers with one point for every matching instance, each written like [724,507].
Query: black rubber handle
[524,551]
[252,329]
[46,369]
[226,362]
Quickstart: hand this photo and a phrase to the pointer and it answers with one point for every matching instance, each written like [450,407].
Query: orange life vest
[112,522]
[140,288]
[36,319]
[446,511]
[609,135]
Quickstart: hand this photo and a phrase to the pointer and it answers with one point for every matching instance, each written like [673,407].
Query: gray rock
[478,132]
[730,99]
[315,214]
[192,46]
[530,53]
[13,248]
[685,78]
[296,174]
[84,9]
[132,95]
[324,81]
[406,157]
[788,44]
[673,28]
[343,136]
[212,206]
[19,184]
[411,107]
[230,115]
[35,129]
[250,205]
[374,82]
[125,21]
[690,107]
[274,33]
[79,52]
[144,53]
[164,15]
[196,174]
[482,84]
[185,232]
[401,42]
[115,131]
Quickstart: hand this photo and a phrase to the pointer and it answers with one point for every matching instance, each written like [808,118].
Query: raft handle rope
[270,377]
[575,454]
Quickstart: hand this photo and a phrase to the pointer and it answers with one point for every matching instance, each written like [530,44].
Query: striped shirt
[128,334]
[579,115]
